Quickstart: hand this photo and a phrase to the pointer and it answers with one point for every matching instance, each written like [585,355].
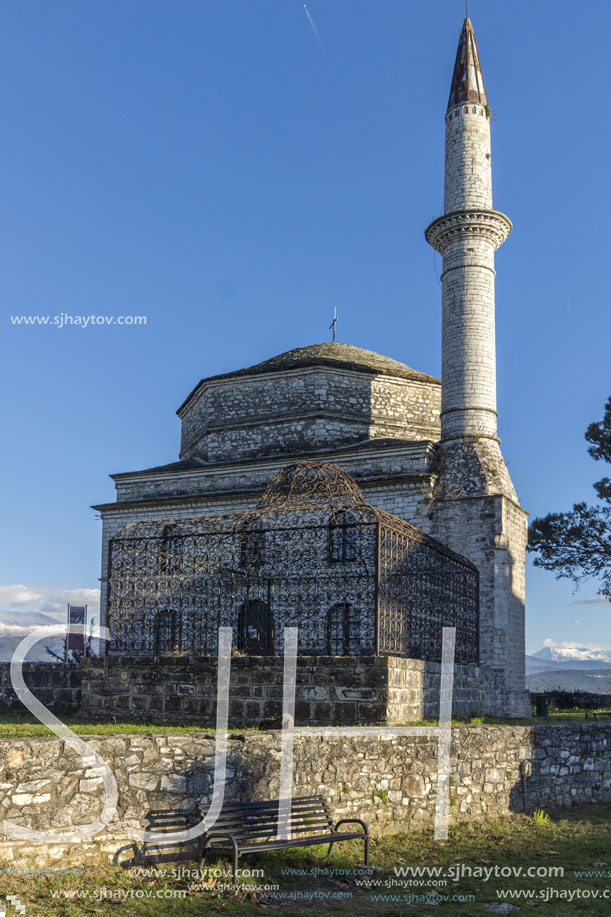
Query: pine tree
[577,544]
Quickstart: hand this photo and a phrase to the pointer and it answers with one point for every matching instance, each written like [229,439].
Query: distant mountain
[38,653]
[12,618]
[572,654]
[536,664]
[15,625]
[569,679]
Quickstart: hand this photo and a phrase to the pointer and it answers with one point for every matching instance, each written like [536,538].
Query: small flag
[76,615]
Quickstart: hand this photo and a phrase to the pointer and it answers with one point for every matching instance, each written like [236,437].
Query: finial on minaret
[334,322]
[467,81]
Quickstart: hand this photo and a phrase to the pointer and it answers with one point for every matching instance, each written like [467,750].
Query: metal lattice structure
[355,580]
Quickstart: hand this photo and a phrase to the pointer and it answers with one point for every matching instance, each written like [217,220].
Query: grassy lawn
[578,840]
[15,724]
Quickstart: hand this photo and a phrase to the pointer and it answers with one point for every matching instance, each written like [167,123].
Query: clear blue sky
[211,165]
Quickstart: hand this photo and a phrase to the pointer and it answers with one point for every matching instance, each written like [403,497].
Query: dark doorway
[256,629]
[341,631]
[167,631]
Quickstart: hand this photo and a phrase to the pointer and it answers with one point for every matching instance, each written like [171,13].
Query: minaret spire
[467,236]
[467,81]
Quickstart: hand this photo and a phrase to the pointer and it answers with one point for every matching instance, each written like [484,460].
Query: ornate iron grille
[312,554]
[422,589]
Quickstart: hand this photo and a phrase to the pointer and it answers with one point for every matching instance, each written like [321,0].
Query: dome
[330,353]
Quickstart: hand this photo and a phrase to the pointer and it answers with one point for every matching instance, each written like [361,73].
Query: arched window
[171,550]
[256,628]
[342,538]
[342,630]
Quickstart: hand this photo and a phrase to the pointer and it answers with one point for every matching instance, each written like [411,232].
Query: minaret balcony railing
[489,224]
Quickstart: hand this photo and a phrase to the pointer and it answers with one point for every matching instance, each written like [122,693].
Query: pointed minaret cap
[467,81]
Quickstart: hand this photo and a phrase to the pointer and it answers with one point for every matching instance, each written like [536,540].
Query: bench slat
[283,845]
[273,832]
[313,818]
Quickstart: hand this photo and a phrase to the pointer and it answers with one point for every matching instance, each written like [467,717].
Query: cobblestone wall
[391,782]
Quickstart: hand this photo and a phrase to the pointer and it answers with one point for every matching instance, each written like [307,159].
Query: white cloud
[576,621]
[58,599]
[594,600]
[20,595]
[19,630]
[573,645]
[49,599]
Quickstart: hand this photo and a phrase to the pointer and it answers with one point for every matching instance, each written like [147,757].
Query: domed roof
[330,353]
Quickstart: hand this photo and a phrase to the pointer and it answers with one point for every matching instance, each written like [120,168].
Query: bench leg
[366,842]
[330,848]
[235,866]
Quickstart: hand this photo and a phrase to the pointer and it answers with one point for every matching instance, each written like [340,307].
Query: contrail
[313,24]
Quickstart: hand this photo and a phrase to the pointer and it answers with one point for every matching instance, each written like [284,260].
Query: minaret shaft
[467,236]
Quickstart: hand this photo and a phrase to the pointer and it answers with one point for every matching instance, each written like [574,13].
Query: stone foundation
[55,685]
[330,690]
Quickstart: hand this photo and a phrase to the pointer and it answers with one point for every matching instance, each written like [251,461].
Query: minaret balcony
[490,225]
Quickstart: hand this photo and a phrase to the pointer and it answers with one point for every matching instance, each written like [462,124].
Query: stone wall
[314,407]
[56,685]
[389,781]
[486,521]
[330,690]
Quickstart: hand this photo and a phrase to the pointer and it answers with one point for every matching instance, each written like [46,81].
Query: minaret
[473,505]
[467,235]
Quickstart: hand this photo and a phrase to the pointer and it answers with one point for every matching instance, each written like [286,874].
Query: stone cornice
[489,224]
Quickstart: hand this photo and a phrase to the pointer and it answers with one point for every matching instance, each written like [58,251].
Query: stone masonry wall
[329,690]
[491,531]
[310,408]
[55,685]
[389,781]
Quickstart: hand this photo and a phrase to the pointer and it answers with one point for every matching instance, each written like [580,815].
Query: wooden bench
[254,827]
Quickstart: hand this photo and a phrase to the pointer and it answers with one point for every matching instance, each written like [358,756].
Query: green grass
[579,839]
[15,724]
[23,725]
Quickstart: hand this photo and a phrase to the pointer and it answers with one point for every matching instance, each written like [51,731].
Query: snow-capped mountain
[572,654]
[15,625]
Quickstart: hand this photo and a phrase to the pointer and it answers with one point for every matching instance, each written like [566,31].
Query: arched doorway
[342,633]
[256,628]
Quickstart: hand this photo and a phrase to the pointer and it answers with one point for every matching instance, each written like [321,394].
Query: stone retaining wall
[389,781]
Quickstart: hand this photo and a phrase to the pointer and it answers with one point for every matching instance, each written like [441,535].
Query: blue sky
[213,166]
